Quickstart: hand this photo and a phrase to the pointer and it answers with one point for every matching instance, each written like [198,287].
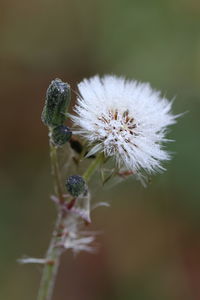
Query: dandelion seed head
[124,119]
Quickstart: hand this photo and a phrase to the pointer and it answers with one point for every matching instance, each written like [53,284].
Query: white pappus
[126,120]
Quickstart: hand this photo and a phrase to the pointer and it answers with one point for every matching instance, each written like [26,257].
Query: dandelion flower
[124,119]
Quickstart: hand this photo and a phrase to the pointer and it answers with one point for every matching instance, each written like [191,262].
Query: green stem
[93,166]
[55,170]
[51,265]
[54,251]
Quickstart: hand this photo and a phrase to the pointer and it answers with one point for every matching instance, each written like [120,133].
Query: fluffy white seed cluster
[125,119]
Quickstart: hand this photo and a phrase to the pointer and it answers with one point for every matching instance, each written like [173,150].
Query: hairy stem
[51,265]
[54,251]
[55,171]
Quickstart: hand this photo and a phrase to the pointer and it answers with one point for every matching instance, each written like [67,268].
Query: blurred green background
[150,248]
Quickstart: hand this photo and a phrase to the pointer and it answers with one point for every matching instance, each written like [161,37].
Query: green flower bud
[76,185]
[58,97]
[60,135]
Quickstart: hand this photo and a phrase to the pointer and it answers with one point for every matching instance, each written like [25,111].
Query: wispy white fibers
[125,119]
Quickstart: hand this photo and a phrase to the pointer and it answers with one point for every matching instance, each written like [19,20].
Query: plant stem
[54,251]
[93,166]
[55,170]
[51,265]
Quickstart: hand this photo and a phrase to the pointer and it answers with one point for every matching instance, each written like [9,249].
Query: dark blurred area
[150,246]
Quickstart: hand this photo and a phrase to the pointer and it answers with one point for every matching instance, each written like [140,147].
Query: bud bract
[76,185]
[60,135]
[58,97]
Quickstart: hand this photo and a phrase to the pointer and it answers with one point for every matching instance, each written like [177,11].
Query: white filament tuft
[124,119]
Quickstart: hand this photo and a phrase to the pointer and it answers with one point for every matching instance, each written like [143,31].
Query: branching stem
[55,250]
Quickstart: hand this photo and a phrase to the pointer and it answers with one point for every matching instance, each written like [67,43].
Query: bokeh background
[150,248]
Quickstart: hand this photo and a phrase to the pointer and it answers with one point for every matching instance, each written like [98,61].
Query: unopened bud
[60,135]
[58,97]
[76,185]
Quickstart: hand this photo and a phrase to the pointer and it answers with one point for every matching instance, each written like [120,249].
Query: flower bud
[76,185]
[58,97]
[60,135]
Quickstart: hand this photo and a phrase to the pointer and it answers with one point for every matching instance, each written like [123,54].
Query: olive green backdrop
[150,246]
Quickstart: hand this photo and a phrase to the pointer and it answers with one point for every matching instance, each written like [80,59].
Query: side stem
[93,166]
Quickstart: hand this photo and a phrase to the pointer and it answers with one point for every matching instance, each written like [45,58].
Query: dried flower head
[124,119]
